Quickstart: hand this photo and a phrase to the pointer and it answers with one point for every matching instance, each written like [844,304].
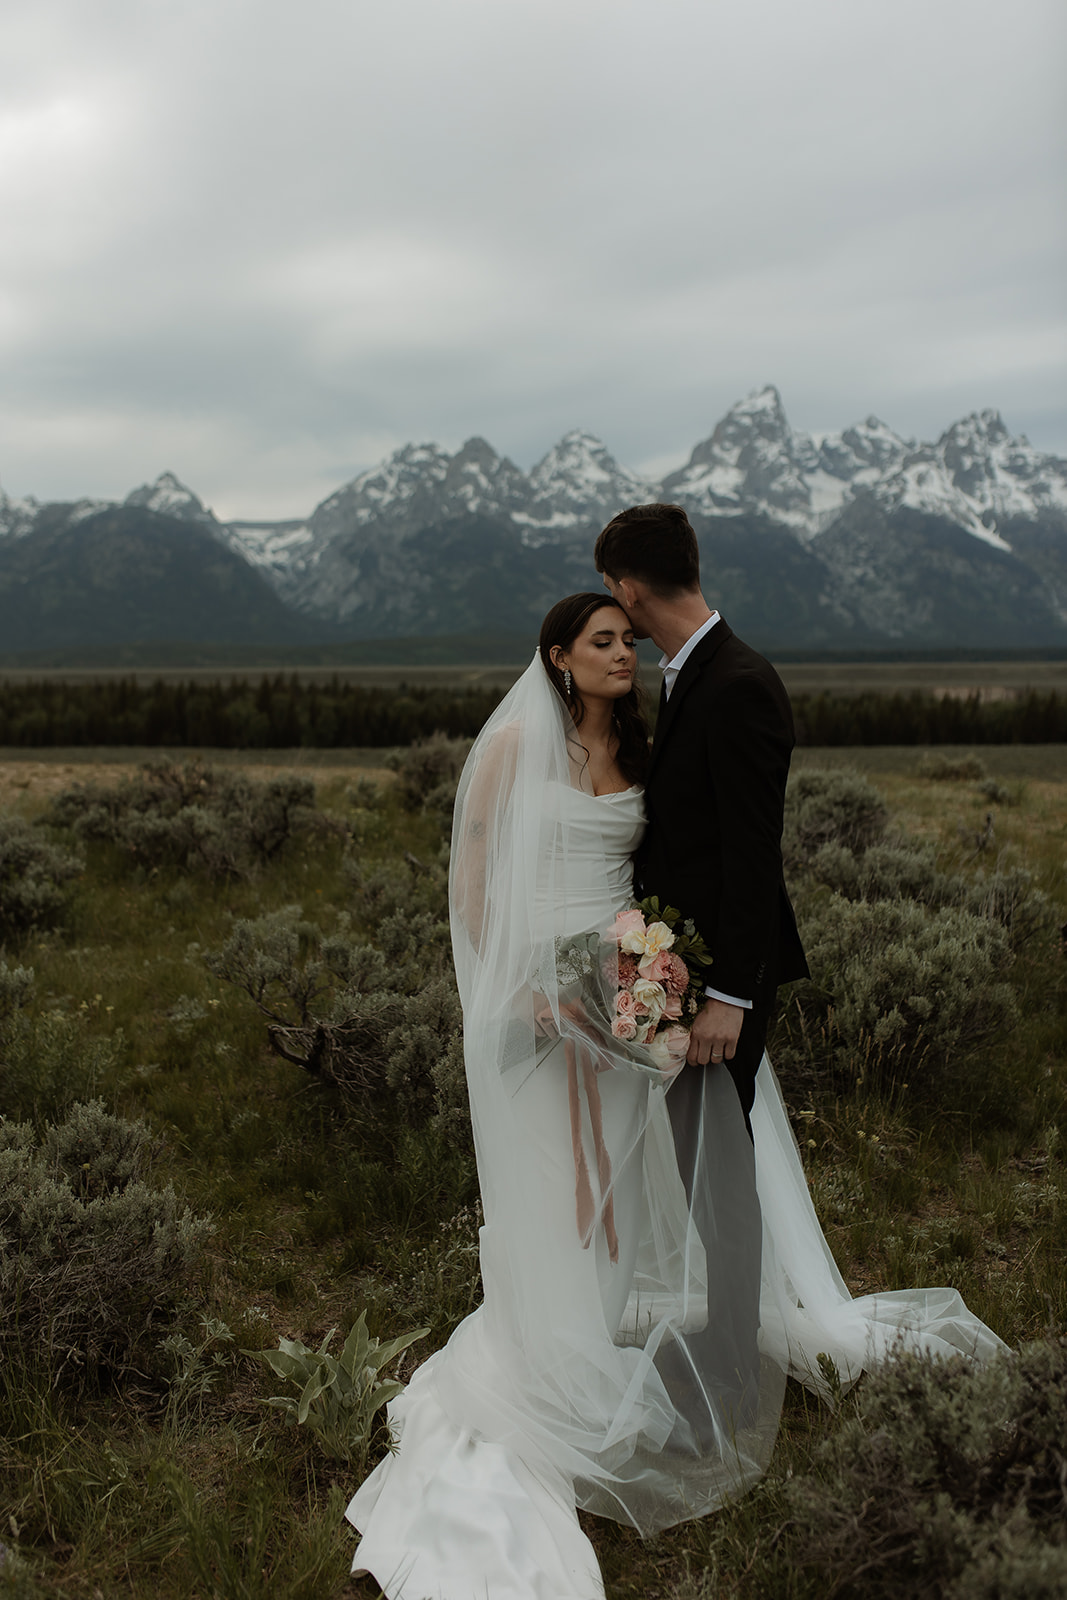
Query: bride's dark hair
[561,627]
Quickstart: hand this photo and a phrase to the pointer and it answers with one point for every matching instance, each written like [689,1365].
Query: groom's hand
[714,1034]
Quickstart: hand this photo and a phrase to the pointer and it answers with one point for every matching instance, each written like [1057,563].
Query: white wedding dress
[594,1373]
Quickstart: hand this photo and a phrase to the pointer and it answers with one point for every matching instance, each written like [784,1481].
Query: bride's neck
[596,726]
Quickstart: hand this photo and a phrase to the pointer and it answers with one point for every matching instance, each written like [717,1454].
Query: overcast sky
[263,242]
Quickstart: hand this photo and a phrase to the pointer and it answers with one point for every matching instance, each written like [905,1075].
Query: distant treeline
[916,718]
[279,713]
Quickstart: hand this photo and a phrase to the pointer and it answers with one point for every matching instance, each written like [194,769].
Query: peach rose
[626,924]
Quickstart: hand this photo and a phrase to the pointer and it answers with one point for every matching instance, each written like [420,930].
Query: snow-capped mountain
[853,538]
[169,497]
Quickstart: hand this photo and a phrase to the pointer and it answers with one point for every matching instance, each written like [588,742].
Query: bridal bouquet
[641,981]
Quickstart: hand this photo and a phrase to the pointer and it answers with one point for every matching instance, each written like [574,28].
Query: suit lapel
[668,717]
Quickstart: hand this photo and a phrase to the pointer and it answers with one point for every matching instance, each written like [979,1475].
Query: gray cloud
[263,244]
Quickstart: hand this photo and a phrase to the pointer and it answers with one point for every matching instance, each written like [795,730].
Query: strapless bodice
[600,834]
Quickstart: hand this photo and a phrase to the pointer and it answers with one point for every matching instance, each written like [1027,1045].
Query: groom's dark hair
[655,544]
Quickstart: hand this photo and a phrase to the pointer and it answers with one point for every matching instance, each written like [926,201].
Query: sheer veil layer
[606,1367]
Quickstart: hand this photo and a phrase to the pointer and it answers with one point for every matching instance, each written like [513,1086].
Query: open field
[175,1481]
[24,780]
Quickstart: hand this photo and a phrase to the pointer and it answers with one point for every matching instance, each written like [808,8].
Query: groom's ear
[628,592]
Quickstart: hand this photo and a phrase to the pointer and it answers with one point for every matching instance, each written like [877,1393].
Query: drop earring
[567,681]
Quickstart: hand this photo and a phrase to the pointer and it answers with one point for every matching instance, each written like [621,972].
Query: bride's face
[602,659]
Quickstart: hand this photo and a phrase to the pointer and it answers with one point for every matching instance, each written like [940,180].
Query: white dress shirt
[671,669]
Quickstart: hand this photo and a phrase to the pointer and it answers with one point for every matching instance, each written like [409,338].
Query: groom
[715,794]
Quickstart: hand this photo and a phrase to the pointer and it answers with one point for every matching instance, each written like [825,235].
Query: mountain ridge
[858,537]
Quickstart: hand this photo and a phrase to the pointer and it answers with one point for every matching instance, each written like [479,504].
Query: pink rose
[624,1004]
[626,922]
[672,1007]
[675,978]
[624,1028]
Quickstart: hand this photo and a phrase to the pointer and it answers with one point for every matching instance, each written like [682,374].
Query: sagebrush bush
[948,1481]
[91,1257]
[47,1060]
[34,878]
[908,870]
[409,888]
[199,818]
[428,771]
[908,987]
[381,1021]
[950,768]
[836,807]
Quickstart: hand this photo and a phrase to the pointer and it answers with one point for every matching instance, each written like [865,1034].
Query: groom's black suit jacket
[715,794]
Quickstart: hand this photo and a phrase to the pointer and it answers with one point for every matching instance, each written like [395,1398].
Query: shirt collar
[677,662]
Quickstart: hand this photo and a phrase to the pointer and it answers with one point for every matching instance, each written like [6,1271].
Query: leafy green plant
[339,1395]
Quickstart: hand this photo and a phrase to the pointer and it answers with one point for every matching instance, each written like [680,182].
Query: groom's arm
[749,740]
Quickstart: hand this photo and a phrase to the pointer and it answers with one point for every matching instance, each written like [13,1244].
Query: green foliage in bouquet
[34,875]
[339,1396]
[688,943]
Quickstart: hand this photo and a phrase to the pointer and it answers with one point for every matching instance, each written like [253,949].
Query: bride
[597,1372]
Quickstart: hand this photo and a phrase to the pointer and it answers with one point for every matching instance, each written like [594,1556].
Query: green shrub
[908,987]
[998,794]
[408,888]
[34,875]
[382,1022]
[950,768]
[836,807]
[909,871]
[91,1257]
[947,1481]
[339,1396]
[47,1061]
[428,771]
[198,818]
